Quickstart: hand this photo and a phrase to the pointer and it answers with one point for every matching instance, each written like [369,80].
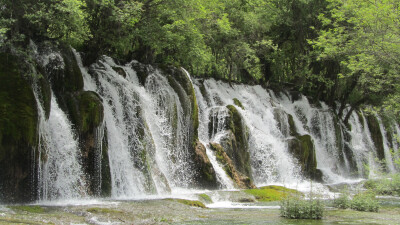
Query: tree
[364,36]
[43,19]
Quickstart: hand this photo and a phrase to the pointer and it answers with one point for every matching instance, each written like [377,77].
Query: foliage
[385,186]
[63,20]
[364,37]
[342,52]
[295,207]
[343,201]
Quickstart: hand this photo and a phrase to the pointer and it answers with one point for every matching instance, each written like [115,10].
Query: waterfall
[204,136]
[270,160]
[147,134]
[60,172]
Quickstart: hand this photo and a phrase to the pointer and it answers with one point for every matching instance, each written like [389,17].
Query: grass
[271,193]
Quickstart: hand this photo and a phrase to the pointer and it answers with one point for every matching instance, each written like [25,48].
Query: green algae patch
[205,198]
[189,202]
[28,208]
[238,103]
[104,211]
[271,193]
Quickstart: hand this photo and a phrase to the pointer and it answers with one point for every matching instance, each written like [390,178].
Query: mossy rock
[271,193]
[119,70]
[45,95]
[28,208]
[302,148]
[142,72]
[376,135]
[292,126]
[238,103]
[205,198]
[18,131]
[106,185]
[193,203]
[239,178]
[97,210]
[236,142]
[91,111]
[206,174]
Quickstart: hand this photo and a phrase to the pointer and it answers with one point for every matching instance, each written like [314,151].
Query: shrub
[386,186]
[298,208]
[342,202]
[365,202]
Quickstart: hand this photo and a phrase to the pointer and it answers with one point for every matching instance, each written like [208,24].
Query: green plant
[365,202]
[294,207]
[342,202]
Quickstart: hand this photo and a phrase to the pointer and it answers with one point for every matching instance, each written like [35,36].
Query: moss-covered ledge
[18,131]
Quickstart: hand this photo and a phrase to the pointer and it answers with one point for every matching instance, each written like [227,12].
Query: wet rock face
[239,178]
[206,178]
[18,132]
[235,136]
[302,148]
[236,142]
[376,135]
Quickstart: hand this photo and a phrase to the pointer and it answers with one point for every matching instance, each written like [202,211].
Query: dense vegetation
[342,52]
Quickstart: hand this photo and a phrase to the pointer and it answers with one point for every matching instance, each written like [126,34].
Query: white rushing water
[60,172]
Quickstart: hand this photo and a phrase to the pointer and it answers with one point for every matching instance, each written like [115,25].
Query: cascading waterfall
[60,172]
[60,175]
[204,136]
[270,160]
[170,126]
[147,131]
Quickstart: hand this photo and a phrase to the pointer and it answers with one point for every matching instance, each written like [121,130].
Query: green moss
[28,208]
[302,148]
[45,94]
[18,112]
[104,211]
[376,135]
[237,146]
[292,125]
[105,169]
[18,131]
[271,193]
[72,80]
[238,103]
[205,198]
[189,202]
[90,111]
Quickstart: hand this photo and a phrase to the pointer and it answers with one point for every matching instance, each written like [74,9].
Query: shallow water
[167,211]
